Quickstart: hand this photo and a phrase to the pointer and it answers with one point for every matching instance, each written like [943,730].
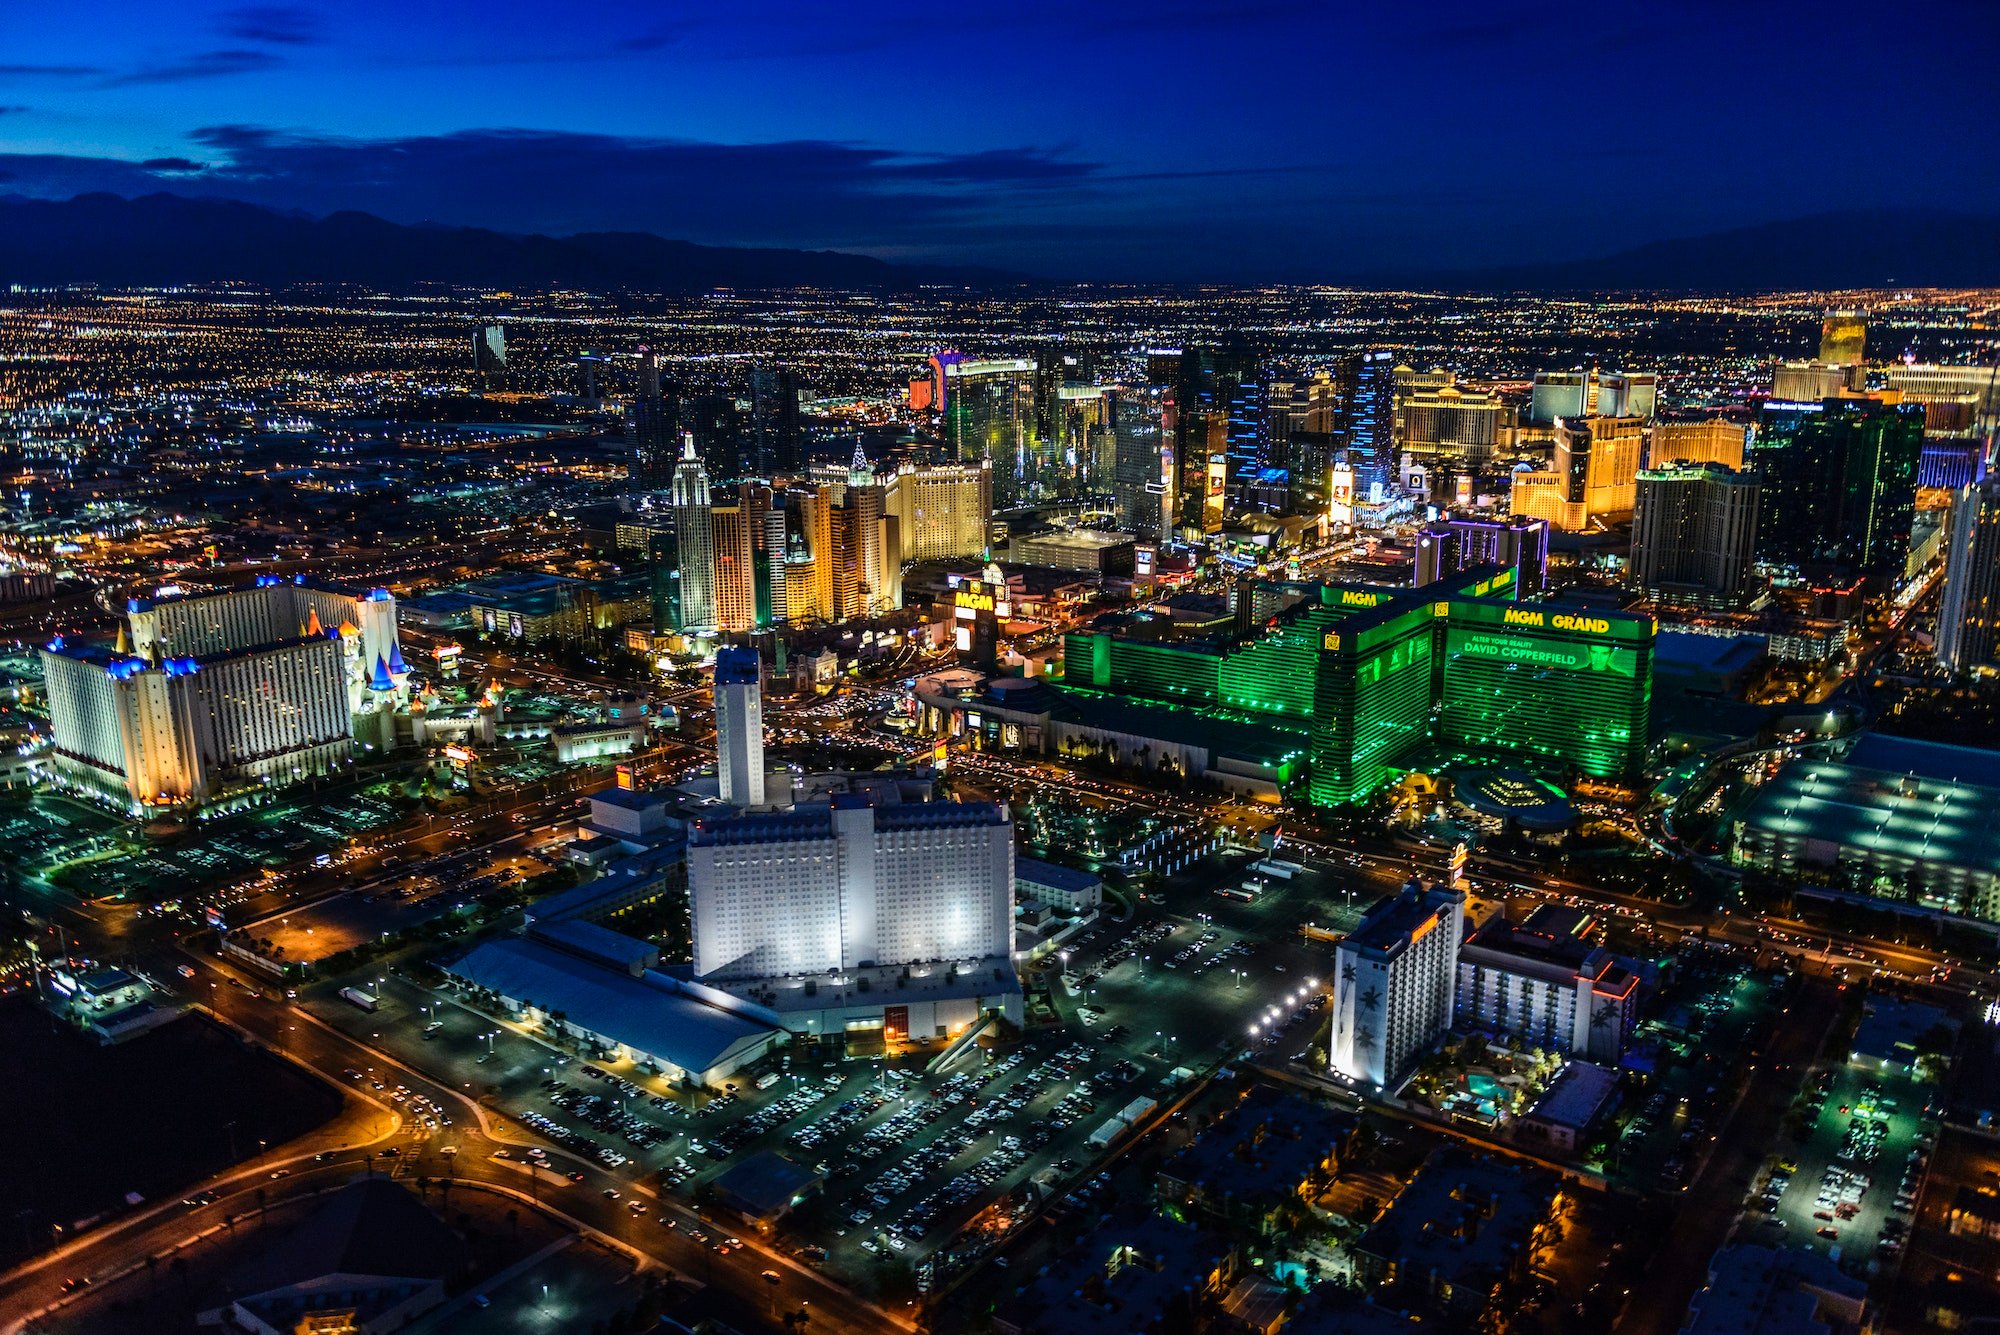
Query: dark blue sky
[1166,139]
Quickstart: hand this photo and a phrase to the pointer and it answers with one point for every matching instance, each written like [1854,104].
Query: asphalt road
[733,1283]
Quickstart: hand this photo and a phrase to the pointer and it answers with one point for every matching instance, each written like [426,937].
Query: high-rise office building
[205,697]
[865,540]
[772,554]
[849,883]
[1559,395]
[1590,479]
[489,356]
[989,413]
[1968,626]
[1840,481]
[809,557]
[1366,421]
[1627,394]
[1562,395]
[694,540]
[739,726]
[653,427]
[1395,978]
[1143,474]
[1694,533]
[777,433]
[734,530]
[941,510]
[1843,339]
[1448,546]
[1712,441]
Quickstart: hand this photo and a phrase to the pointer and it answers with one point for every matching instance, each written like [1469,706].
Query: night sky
[1163,139]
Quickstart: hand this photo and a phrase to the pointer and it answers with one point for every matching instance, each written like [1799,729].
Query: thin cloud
[787,193]
[48,71]
[276,25]
[206,65]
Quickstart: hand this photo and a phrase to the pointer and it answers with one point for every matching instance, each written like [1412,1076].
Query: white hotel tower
[1393,989]
[867,907]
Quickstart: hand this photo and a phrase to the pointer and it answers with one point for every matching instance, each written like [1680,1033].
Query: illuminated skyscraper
[1559,395]
[234,692]
[989,413]
[777,439]
[1366,427]
[652,428]
[1448,546]
[1810,382]
[489,356]
[1708,442]
[810,558]
[1840,482]
[1450,424]
[733,529]
[1968,627]
[694,540]
[1694,533]
[1627,394]
[1843,339]
[1142,483]
[1590,479]
[1395,980]
[942,510]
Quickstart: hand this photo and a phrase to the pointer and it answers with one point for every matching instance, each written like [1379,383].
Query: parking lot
[1712,1006]
[1850,1189]
[910,1158]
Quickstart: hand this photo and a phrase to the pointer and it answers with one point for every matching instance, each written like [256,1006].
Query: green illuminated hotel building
[1371,675]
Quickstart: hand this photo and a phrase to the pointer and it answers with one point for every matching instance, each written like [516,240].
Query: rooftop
[877,986]
[1578,1095]
[1463,1219]
[371,1229]
[1263,1147]
[1221,732]
[1769,1291]
[1117,1280]
[598,944]
[816,821]
[1887,798]
[1393,921]
[652,1013]
[1894,1031]
[1036,872]
[764,1185]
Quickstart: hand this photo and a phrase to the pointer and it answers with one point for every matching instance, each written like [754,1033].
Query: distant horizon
[1587,273]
